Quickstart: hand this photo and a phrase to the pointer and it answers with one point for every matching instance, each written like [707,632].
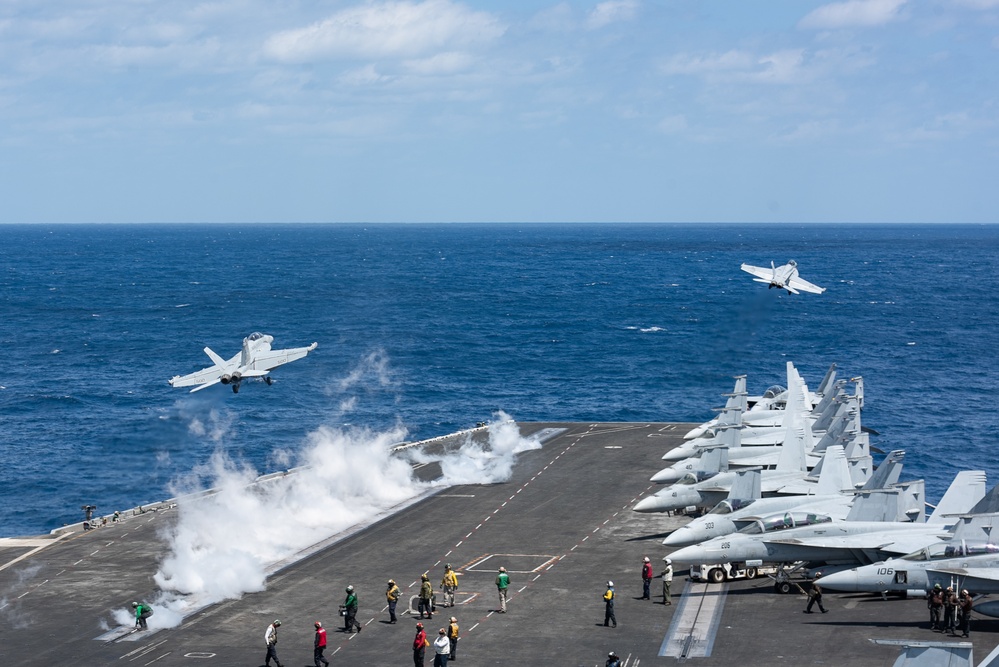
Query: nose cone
[847,580]
[688,555]
[670,498]
[684,451]
[666,476]
[649,504]
[696,432]
[686,535]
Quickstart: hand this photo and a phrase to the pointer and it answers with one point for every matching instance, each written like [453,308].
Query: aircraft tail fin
[798,432]
[860,469]
[912,501]
[216,359]
[835,473]
[746,485]
[888,472]
[827,381]
[990,503]
[714,459]
[828,399]
[902,502]
[975,527]
[964,496]
[833,411]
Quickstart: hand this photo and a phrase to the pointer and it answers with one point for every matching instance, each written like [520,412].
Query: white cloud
[388,29]
[362,76]
[611,11]
[853,13]
[787,66]
[440,63]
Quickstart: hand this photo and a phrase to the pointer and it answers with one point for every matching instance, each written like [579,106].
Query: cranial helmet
[350,589]
[610,583]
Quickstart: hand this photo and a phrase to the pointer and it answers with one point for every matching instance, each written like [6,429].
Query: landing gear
[268,380]
[235,387]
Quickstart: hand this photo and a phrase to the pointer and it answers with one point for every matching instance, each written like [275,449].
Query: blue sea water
[438,326]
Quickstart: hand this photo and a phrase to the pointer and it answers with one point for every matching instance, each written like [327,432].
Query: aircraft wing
[266,361]
[802,285]
[759,271]
[896,542]
[207,376]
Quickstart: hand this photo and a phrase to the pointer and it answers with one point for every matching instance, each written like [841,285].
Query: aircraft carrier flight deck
[562,526]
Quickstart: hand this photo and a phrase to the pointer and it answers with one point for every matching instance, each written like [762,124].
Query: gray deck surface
[562,526]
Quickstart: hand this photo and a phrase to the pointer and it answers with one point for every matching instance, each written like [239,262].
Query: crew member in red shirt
[320,645]
[419,645]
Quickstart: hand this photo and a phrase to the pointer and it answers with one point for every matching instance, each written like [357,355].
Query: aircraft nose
[687,555]
[665,476]
[847,580]
[678,453]
[695,432]
[648,504]
[681,537]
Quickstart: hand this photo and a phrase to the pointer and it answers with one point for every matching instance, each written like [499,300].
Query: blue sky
[443,110]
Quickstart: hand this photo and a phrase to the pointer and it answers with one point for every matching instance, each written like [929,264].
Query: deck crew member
[142,612]
[350,607]
[452,636]
[949,607]
[609,605]
[426,597]
[392,594]
[667,576]
[270,637]
[646,579]
[815,597]
[449,584]
[502,583]
[934,602]
[320,645]
[420,644]
[442,649]
[964,612]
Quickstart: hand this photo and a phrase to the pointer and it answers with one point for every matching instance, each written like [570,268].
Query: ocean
[436,327]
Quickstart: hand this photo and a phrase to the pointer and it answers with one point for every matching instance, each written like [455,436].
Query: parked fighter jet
[851,542]
[911,572]
[829,500]
[256,359]
[782,277]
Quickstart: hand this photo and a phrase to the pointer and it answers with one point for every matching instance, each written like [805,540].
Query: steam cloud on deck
[225,539]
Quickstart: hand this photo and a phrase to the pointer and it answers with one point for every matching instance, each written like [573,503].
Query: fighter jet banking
[782,277]
[255,360]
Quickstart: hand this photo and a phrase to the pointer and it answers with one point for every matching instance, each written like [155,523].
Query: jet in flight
[255,360]
[782,277]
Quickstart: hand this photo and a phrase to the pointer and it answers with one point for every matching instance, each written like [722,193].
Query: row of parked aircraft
[788,481]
